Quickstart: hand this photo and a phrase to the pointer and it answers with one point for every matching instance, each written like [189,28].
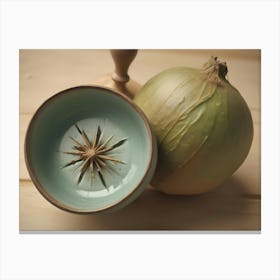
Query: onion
[203,127]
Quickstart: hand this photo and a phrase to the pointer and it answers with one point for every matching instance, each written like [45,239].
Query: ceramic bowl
[89,149]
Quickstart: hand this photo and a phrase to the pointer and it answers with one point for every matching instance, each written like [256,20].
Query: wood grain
[226,208]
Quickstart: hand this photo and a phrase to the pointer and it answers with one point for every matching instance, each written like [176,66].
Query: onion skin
[203,127]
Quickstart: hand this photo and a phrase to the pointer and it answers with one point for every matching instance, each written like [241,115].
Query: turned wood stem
[122,60]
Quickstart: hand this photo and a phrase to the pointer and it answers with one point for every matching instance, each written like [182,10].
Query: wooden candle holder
[119,80]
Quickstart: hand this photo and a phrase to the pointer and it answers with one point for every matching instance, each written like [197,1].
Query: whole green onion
[203,127]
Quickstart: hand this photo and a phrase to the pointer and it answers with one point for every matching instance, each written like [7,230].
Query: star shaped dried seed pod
[93,154]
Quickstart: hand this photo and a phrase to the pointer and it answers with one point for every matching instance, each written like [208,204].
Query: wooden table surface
[235,205]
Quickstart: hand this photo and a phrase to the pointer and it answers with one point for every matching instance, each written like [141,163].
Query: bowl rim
[36,181]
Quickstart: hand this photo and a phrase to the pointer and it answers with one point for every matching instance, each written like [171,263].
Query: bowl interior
[54,131]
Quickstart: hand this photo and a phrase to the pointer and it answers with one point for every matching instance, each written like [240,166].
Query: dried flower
[94,155]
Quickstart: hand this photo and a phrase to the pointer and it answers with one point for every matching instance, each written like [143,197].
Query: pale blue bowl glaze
[48,136]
